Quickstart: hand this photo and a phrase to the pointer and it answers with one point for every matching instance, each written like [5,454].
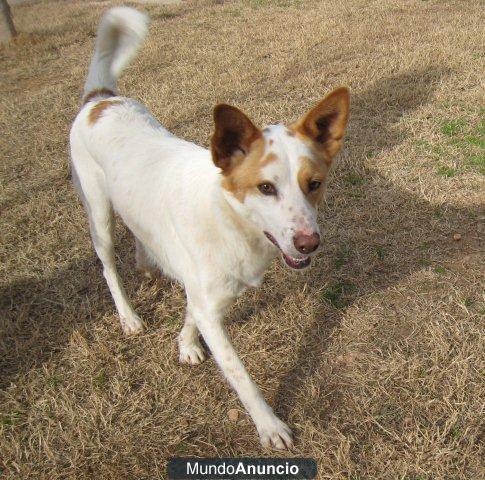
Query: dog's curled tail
[120,34]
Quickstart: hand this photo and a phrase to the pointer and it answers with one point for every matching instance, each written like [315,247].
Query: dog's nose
[306,243]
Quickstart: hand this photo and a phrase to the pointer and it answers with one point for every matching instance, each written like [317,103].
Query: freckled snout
[306,243]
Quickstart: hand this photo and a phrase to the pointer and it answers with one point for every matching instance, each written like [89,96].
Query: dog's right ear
[233,136]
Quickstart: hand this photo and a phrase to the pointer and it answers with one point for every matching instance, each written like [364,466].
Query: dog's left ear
[325,123]
[233,136]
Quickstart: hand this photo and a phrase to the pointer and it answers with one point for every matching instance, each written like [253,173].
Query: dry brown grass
[375,357]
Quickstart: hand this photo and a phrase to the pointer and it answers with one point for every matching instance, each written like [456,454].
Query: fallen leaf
[233,414]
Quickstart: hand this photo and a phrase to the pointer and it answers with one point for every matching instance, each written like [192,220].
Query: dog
[211,219]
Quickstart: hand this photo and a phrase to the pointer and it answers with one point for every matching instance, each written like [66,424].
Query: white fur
[168,192]
[120,35]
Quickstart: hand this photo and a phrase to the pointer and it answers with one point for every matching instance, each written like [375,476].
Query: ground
[375,356]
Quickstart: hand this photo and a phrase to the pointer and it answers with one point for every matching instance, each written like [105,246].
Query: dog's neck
[252,242]
[233,212]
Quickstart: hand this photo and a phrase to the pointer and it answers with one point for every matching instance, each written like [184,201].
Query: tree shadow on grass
[383,233]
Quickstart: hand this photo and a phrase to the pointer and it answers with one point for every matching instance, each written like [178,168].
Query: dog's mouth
[296,263]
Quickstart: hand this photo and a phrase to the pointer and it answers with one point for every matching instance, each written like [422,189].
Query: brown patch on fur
[233,137]
[100,92]
[98,109]
[324,125]
[311,170]
[246,173]
[319,151]
[271,157]
[290,132]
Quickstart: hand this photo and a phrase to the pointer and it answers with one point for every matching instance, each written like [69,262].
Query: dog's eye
[267,188]
[314,185]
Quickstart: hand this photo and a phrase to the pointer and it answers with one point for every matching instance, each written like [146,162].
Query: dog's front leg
[272,431]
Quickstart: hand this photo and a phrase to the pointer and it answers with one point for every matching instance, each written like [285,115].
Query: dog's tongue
[292,262]
[296,263]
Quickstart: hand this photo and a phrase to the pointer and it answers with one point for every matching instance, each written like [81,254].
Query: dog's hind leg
[89,180]
[101,225]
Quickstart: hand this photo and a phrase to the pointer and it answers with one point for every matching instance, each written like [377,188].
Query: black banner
[244,468]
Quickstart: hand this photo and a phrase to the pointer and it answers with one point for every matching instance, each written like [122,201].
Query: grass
[477,161]
[372,356]
[424,262]
[452,127]
[354,179]
[444,171]
[440,270]
[381,252]
[9,419]
[462,150]
[338,293]
[100,380]
[54,380]
[275,3]
[343,256]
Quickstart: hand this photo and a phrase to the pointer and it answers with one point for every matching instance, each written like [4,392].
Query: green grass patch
[456,432]
[337,294]
[354,179]
[171,321]
[475,141]
[355,195]
[380,252]
[389,413]
[100,380]
[481,125]
[182,449]
[447,172]
[452,127]
[343,256]
[465,142]
[470,141]
[440,270]
[477,161]
[9,419]
[424,262]
[468,302]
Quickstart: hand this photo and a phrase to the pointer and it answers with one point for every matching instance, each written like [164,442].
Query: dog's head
[276,177]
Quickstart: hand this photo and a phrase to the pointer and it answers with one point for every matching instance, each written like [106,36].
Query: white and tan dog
[211,219]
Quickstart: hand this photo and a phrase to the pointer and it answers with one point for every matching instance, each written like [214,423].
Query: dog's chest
[248,265]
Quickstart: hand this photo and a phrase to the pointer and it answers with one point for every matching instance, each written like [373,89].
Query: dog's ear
[325,123]
[233,136]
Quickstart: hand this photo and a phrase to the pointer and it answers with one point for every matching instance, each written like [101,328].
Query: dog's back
[166,190]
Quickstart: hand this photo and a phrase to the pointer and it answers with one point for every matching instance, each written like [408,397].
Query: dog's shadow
[39,316]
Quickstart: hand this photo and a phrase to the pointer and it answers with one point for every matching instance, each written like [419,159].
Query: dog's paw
[275,434]
[149,273]
[192,353]
[131,324]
